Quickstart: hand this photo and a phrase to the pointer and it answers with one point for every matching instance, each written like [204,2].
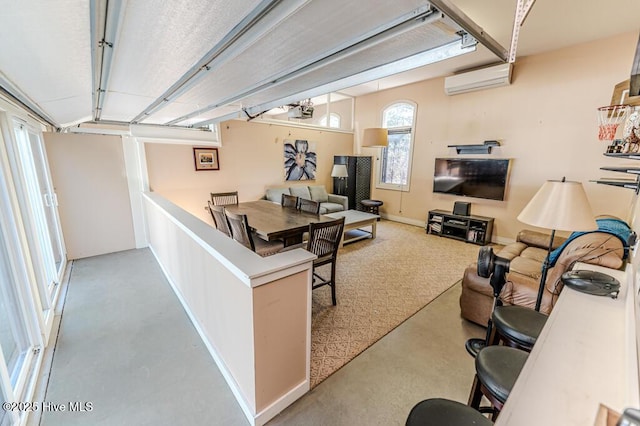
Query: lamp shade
[375,137]
[560,205]
[339,171]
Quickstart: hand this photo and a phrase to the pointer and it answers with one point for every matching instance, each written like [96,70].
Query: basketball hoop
[609,118]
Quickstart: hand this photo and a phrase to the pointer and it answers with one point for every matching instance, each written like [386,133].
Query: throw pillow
[301,191]
[318,193]
[275,194]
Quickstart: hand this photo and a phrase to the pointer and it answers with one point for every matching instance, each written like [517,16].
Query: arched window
[395,165]
[334,120]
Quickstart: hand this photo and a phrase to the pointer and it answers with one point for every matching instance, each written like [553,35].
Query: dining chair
[324,241]
[219,218]
[224,198]
[289,201]
[241,232]
[308,206]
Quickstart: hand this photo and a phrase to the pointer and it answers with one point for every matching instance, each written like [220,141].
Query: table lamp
[339,171]
[558,206]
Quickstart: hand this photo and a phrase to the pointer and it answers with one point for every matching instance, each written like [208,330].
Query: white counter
[586,355]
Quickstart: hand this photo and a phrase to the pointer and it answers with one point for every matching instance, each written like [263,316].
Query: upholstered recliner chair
[527,255]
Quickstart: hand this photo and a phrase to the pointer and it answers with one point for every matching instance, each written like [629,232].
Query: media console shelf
[472,229]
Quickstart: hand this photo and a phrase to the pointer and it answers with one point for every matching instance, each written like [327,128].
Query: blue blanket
[615,227]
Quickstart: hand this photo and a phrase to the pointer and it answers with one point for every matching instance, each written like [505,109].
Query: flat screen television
[471,177]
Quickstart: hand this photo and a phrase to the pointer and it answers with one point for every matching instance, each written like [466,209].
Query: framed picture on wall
[206,158]
[299,160]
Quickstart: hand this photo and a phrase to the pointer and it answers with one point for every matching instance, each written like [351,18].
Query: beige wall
[251,159]
[90,179]
[546,122]
[280,305]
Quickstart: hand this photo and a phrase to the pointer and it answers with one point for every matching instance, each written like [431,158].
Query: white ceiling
[170,64]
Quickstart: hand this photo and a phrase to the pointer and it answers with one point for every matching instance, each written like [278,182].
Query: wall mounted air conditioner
[483,78]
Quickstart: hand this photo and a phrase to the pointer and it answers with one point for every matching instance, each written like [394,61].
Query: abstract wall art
[299,160]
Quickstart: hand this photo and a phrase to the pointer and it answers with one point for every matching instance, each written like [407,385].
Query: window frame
[15,385]
[31,204]
[328,117]
[400,129]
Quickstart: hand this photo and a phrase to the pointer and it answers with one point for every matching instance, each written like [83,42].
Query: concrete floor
[126,346]
[422,358]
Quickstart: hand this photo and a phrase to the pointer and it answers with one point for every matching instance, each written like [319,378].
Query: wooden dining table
[271,221]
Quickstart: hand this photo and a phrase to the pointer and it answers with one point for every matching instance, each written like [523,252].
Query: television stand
[471,229]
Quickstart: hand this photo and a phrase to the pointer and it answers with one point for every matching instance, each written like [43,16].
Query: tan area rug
[380,283]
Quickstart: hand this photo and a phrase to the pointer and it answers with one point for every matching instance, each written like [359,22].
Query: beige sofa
[329,203]
[526,257]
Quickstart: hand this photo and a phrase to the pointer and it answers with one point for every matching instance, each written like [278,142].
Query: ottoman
[371,206]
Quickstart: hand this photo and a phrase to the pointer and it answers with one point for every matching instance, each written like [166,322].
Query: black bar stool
[517,326]
[444,412]
[497,369]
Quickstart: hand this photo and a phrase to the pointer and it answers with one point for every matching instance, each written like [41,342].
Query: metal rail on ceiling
[418,17]
[472,28]
[105,21]
[523,8]
[212,58]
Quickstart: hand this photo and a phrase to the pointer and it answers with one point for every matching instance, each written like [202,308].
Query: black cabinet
[357,186]
[472,229]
